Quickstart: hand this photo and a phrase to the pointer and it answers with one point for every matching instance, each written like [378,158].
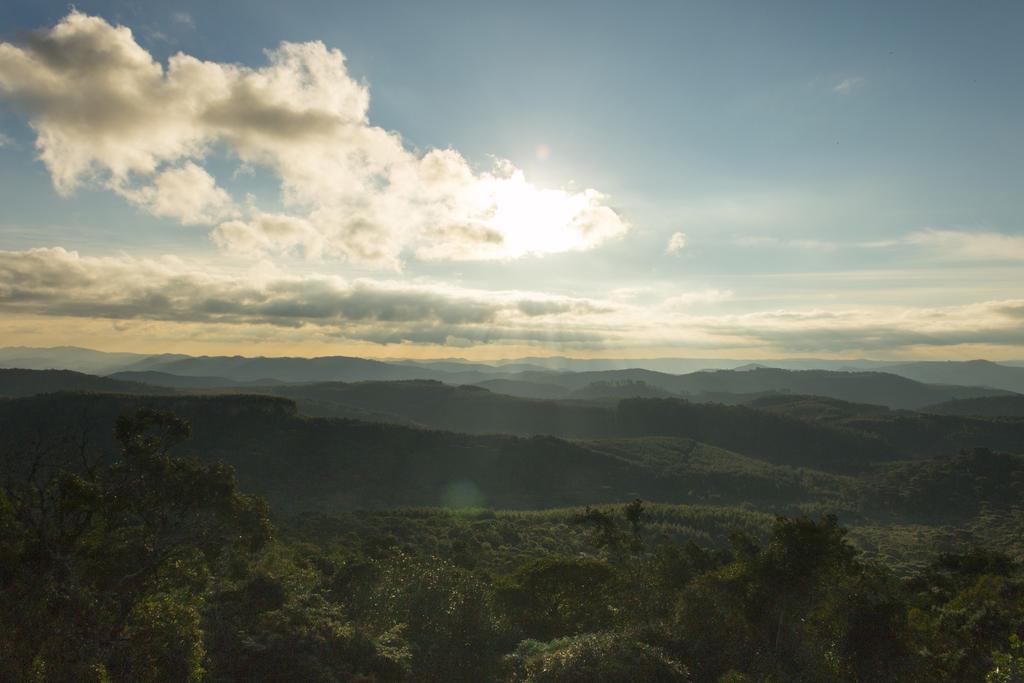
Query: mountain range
[903,385]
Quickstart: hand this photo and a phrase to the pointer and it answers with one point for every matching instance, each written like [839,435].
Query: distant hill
[980,373]
[165,379]
[911,434]
[814,407]
[761,434]
[475,410]
[302,464]
[683,365]
[328,368]
[466,408]
[988,406]
[20,382]
[783,428]
[910,385]
[523,389]
[805,430]
[878,388]
[574,381]
[66,358]
[620,390]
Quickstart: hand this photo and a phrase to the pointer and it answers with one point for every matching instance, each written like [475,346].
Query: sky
[494,180]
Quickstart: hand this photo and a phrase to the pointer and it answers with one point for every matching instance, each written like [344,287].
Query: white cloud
[703,296]
[187,193]
[106,112]
[5,140]
[969,246]
[266,232]
[943,245]
[875,328]
[808,244]
[676,243]
[848,85]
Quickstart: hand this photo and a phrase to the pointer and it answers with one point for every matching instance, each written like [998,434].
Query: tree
[120,557]
[595,658]
[1008,667]
[557,596]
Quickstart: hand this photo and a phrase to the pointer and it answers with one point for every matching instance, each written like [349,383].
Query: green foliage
[123,560]
[1008,667]
[986,406]
[161,640]
[557,596]
[442,612]
[799,608]
[770,436]
[949,489]
[596,657]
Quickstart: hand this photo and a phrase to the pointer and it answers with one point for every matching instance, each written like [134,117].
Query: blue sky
[844,180]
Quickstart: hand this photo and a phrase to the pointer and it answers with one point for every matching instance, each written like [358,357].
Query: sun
[534,220]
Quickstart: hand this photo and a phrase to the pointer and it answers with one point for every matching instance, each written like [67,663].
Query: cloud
[183,18]
[875,328]
[848,85]
[187,193]
[5,140]
[945,245]
[808,244]
[263,303]
[969,246]
[676,243]
[105,112]
[266,232]
[58,282]
[704,296]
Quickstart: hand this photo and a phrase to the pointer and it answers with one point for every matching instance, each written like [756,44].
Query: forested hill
[329,464]
[301,463]
[167,380]
[786,429]
[17,382]
[778,427]
[976,372]
[858,387]
[987,406]
[877,388]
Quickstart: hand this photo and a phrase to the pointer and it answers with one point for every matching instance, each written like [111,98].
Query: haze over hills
[67,358]
[976,378]
[166,379]
[973,372]
[102,362]
[726,385]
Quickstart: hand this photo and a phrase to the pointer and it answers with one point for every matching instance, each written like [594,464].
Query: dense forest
[364,532]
